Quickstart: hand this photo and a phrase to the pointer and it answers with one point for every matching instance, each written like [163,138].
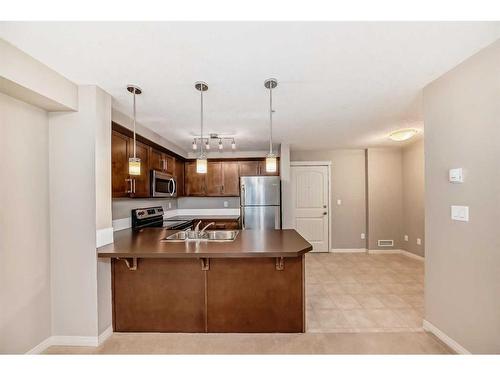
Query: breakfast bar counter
[254,283]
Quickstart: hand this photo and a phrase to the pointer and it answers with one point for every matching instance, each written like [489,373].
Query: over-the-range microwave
[163,185]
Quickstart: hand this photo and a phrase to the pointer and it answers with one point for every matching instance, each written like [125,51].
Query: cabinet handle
[133,183]
[128,191]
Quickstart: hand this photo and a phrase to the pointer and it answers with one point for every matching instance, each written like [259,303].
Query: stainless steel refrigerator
[260,201]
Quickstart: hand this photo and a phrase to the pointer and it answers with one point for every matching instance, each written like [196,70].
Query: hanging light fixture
[221,146]
[271,161]
[134,164]
[207,145]
[233,145]
[194,145]
[201,161]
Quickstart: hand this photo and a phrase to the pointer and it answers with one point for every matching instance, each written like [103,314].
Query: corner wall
[414,198]
[462,267]
[24,227]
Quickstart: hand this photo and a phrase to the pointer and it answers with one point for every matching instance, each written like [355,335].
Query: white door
[309,188]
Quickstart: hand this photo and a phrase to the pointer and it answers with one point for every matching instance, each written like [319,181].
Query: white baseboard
[72,341]
[444,338]
[103,236]
[348,250]
[40,348]
[411,255]
[106,334]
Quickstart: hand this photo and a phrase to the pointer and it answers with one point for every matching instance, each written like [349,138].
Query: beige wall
[462,278]
[348,184]
[414,197]
[385,196]
[27,79]
[74,213]
[24,227]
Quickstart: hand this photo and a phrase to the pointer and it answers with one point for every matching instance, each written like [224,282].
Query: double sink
[209,235]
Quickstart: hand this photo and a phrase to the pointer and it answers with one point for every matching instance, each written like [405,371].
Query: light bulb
[201,165]
[134,166]
[194,145]
[220,145]
[271,163]
[207,145]
[233,145]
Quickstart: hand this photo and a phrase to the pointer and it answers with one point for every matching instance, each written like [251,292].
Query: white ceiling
[341,84]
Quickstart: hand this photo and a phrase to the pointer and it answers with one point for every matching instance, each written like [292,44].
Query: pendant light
[134,164]
[271,161]
[201,161]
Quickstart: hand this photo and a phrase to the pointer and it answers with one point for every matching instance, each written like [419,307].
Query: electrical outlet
[226,203]
[419,241]
[169,204]
[406,237]
[363,236]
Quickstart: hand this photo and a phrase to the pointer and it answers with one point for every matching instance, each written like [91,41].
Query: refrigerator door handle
[243,195]
[242,217]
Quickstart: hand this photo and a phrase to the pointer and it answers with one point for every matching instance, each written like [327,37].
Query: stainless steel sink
[222,235]
[209,235]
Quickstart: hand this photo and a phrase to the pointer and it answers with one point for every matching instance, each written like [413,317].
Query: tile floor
[354,292]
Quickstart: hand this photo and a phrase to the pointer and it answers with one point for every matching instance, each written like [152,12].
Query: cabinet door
[141,182]
[156,161]
[119,165]
[262,168]
[231,178]
[179,177]
[249,168]
[214,179]
[195,183]
[169,163]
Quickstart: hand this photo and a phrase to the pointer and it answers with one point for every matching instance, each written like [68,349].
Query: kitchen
[264,212]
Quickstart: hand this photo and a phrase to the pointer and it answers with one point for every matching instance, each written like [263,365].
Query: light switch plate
[406,237]
[362,236]
[456,176]
[460,213]
[419,241]
[339,202]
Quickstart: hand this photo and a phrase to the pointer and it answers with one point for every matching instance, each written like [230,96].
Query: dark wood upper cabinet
[249,168]
[195,183]
[179,177]
[231,178]
[214,179]
[169,163]
[157,161]
[120,182]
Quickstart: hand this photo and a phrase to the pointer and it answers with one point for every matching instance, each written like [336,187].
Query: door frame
[326,163]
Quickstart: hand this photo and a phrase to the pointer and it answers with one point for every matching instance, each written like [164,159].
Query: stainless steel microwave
[163,185]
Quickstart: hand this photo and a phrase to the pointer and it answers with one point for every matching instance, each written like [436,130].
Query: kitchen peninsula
[254,283]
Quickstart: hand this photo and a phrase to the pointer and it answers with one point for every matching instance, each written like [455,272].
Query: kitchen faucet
[206,226]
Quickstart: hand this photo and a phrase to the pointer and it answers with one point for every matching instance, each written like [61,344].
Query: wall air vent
[385,243]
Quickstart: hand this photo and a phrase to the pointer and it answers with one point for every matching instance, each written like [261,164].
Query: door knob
[324,206]
[325,213]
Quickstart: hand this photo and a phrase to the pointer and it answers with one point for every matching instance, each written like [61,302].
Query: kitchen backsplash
[122,206]
[208,202]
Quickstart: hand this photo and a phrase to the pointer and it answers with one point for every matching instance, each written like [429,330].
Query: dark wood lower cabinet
[232,295]
[162,295]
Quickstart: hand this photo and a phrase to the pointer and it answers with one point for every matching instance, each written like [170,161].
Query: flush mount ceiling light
[402,134]
[134,164]
[201,161]
[271,163]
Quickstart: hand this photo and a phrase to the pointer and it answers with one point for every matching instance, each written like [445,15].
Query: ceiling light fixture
[233,145]
[194,145]
[207,145]
[271,162]
[402,134]
[221,146]
[201,161]
[134,163]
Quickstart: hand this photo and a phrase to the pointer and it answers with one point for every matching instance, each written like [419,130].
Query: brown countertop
[146,243]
